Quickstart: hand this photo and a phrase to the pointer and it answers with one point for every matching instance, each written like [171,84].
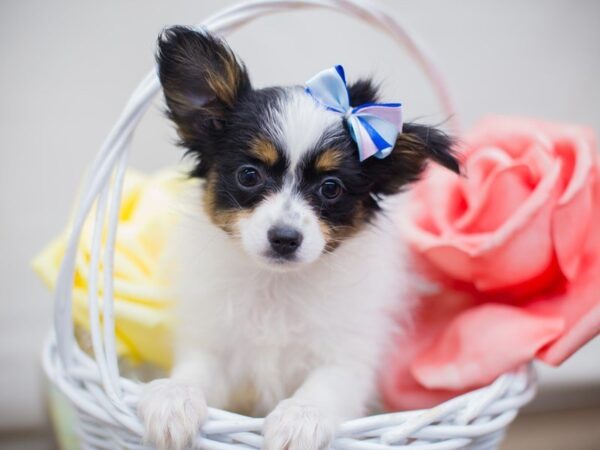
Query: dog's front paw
[172,413]
[296,426]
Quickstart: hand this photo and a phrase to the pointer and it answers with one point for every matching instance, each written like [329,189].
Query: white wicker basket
[105,403]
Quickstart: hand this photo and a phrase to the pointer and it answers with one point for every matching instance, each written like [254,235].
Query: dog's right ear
[201,78]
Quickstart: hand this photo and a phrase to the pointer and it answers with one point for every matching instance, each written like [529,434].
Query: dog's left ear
[415,147]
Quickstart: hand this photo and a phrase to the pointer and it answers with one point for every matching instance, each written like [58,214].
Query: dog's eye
[249,176]
[331,189]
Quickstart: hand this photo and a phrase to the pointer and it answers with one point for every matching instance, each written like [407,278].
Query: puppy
[292,267]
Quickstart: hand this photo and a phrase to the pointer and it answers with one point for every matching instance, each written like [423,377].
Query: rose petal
[482,343]
[503,192]
[581,313]
[570,227]
[514,135]
[572,219]
[485,162]
[505,263]
[580,305]
[401,391]
[441,199]
[521,249]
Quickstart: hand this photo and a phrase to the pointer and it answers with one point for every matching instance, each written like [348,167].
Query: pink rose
[513,249]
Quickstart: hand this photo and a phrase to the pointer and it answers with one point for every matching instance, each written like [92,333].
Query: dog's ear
[201,78]
[415,147]
[363,91]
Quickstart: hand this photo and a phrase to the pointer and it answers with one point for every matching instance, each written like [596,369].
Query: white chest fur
[268,330]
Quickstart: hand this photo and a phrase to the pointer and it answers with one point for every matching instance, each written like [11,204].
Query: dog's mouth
[277,259]
[283,266]
[280,263]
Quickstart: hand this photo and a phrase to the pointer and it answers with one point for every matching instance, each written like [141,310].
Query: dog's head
[282,174]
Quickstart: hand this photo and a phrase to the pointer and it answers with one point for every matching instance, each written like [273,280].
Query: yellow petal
[142,299]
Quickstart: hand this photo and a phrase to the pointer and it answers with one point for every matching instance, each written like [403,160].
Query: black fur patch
[218,116]
[355,203]
[203,83]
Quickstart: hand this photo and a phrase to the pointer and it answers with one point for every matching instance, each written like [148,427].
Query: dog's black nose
[284,240]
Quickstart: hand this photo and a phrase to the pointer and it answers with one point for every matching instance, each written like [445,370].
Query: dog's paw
[296,426]
[172,413]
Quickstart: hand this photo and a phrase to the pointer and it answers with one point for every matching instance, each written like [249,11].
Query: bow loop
[373,126]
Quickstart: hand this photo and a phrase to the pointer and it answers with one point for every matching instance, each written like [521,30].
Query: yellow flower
[142,298]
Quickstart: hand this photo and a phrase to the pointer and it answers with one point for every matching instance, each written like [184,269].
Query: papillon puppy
[292,268]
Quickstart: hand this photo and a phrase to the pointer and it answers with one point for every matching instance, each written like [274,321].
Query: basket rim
[455,423]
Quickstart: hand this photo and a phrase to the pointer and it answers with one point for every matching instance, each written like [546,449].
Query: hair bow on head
[373,126]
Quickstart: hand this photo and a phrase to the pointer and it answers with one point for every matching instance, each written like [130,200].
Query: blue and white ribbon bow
[373,126]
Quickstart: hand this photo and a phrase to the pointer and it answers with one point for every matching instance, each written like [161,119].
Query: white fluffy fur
[298,123]
[251,337]
[301,346]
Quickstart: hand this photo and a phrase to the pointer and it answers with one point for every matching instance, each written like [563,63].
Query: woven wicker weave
[105,402]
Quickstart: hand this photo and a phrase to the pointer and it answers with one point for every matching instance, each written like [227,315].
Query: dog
[292,270]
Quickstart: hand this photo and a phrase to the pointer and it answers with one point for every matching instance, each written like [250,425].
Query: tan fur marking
[265,151]
[328,160]
[226,219]
[411,147]
[225,83]
[336,234]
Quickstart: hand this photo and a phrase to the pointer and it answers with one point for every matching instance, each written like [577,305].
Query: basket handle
[104,184]
[367,11]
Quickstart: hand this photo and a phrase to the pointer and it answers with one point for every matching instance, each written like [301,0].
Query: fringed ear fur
[415,147]
[201,79]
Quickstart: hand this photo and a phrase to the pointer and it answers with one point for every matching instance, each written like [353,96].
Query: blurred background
[69,66]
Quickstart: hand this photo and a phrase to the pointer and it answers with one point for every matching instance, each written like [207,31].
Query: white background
[67,67]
